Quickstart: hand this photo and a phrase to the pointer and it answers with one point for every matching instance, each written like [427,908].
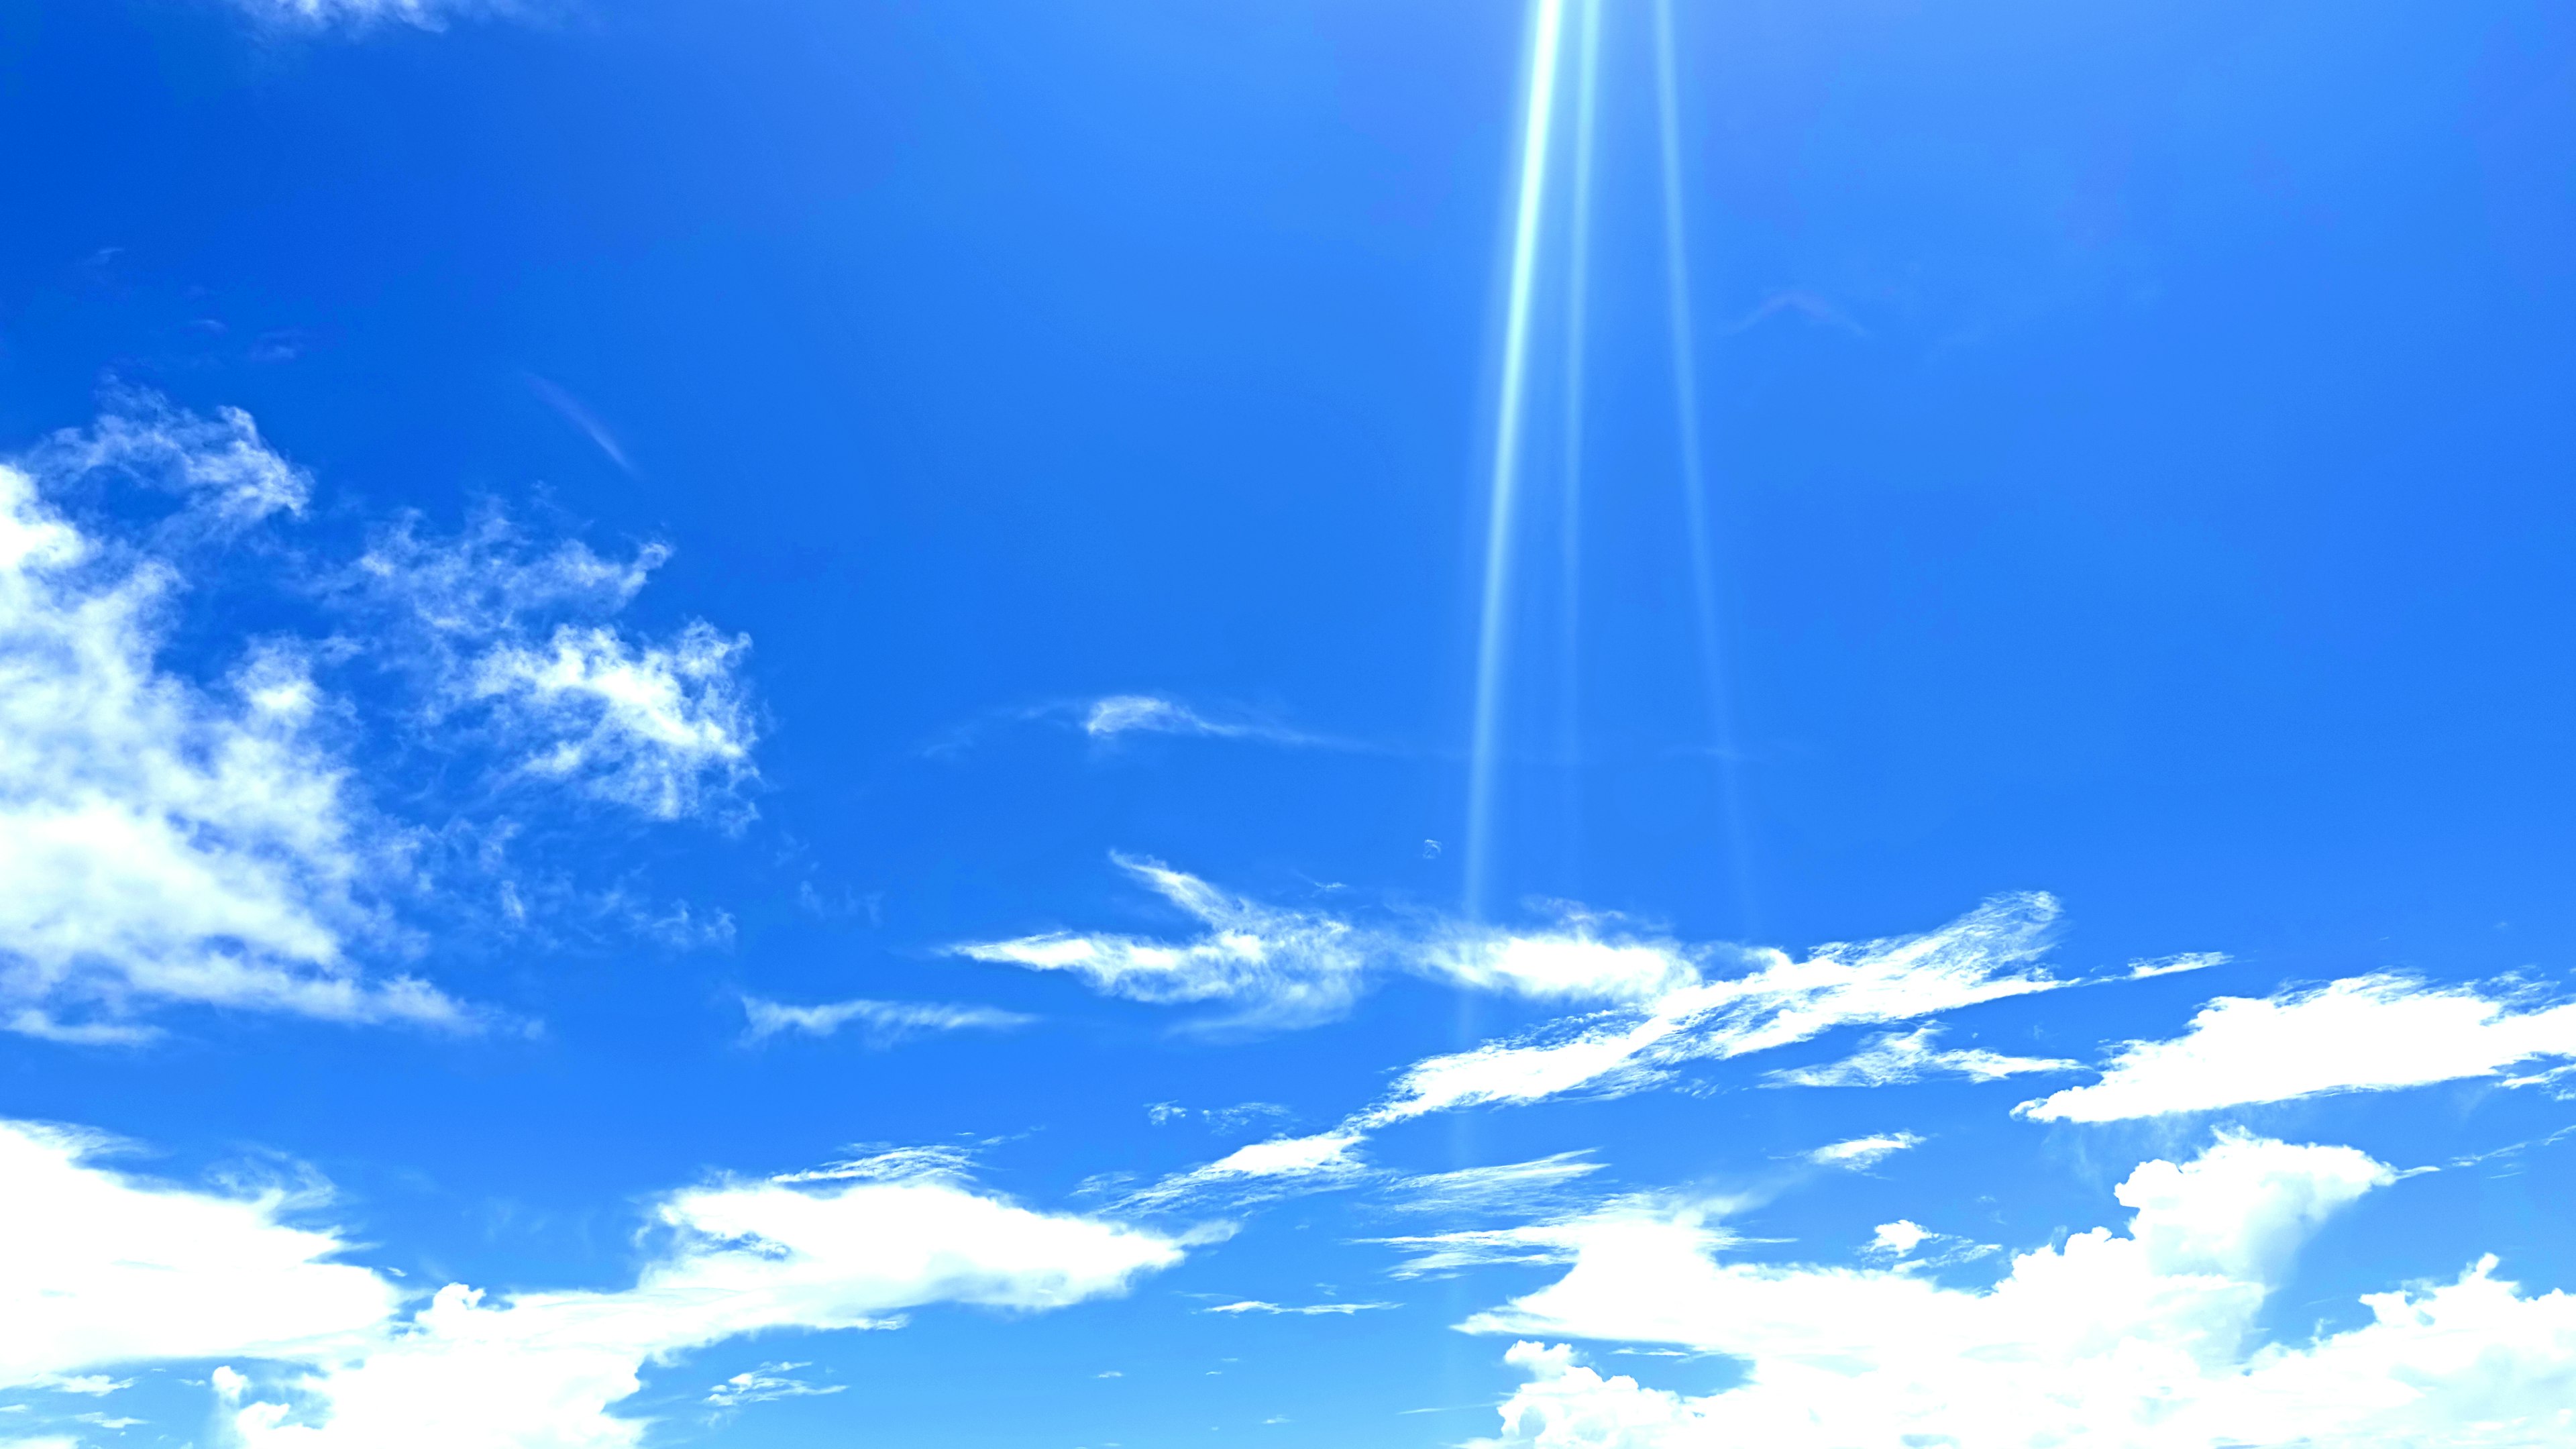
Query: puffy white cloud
[103,1270]
[1901,1057]
[2366,1033]
[2145,1339]
[542,1370]
[522,643]
[100,1269]
[882,1022]
[163,841]
[1860,1153]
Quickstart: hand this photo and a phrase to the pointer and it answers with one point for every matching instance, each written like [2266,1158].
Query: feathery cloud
[1862,1153]
[2364,1033]
[1901,1057]
[521,646]
[884,1023]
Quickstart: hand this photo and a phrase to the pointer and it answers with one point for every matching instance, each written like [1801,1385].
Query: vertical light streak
[1578,279]
[1547,26]
[1695,510]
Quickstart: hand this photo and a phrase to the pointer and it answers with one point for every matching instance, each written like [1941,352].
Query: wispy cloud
[1989,954]
[1506,1188]
[1274,967]
[2361,1034]
[1902,1057]
[165,841]
[1279,967]
[570,409]
[767,1382]
[520,644]
[883,1023]
[1862,1153]
[359,15]
[1303,1310]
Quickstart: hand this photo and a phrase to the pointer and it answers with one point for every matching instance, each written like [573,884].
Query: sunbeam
[1696,517]
[1537,123]
[1578,283]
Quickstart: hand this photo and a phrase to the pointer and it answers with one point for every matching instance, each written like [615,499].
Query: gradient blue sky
[604,606]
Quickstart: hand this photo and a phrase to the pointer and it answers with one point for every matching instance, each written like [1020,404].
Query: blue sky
[1597,724]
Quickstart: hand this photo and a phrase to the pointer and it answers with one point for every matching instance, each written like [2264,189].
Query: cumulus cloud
[100,1269]
[2365,1033]
[522,644]
[543,1370]
[1901,1057]
[104,1270]
[165,840]
[2147,1338]
[883,1023]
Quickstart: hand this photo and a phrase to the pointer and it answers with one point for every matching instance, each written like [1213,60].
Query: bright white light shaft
[1547,29]
[1577,302]
[1695,510]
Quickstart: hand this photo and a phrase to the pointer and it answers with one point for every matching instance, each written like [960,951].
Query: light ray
[1694,477]
[1546,33]
[1578,282]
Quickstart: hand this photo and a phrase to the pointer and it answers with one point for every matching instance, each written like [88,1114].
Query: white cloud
[767,1382]
[2366,1033]
[1264,1169]
[542,1370]
[361,14]
[660,728]
[1899,1238]
[103,1269]
[522,644]
[1983,956]
[1218,1119]
[1284,968]
[228,474]
[1305,1310]
[1901,1057]
[2146,1339]
[1861,1153]
[164,841]
[1506,1187]
[1278,967]
[1118,714]
[883,1022]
